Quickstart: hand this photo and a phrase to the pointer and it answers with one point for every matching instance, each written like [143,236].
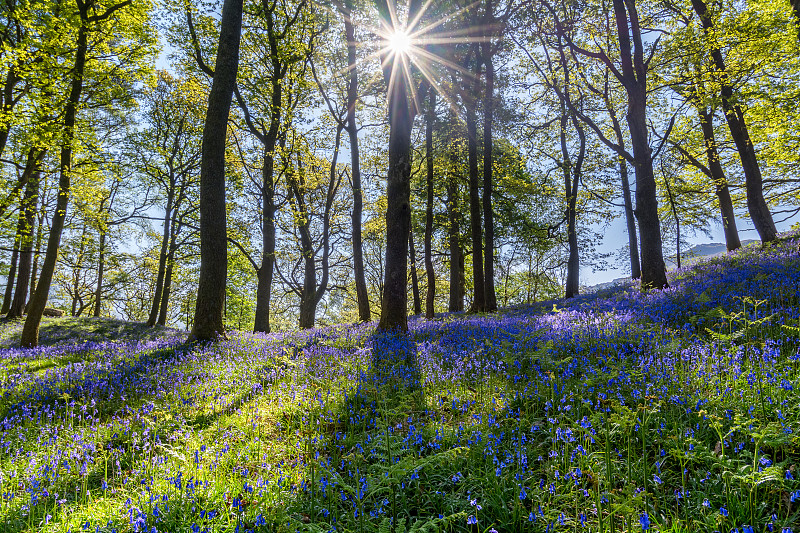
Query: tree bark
[630,217]
[674,210]
[162,263]
[634,78]
[266,271]
[572,175]
[488,185]
[77,301]
[630,220]
[362,296]
[101,266]
[210,304]
[478,286]
[163,313]
[412,257]
[456,302]
[430,273]
[756,205]
[269,139]
[7,103]
[732,241]
[29,202]
[33,160]
[36,253]
[308,302]
[30,331]
[12,270]
[311,293]
[394,303]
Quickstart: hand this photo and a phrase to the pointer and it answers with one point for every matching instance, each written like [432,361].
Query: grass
[69,330]
[669,411]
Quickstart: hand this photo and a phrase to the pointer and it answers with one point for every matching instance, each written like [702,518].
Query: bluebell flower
[644,520]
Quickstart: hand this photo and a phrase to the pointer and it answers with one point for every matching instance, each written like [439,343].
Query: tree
[398,192]
[208,319]
[92,15]
[274,86]
[469,96]
[430,274]
[632,75]
[346,10]
[734,115]
[167,156]
[28,219]
[303,179]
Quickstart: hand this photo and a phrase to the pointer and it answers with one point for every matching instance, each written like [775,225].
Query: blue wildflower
[644,520]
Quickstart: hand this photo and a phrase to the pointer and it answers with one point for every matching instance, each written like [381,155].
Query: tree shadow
[363,457]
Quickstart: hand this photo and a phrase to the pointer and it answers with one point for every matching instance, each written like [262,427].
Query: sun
[399,42]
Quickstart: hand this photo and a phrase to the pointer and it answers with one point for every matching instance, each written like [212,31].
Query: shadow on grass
[355,481]
[83,329]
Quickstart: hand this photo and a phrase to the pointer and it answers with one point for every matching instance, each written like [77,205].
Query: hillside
[673,411]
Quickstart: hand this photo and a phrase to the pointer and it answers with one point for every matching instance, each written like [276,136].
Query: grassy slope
[71,330]
[675,411]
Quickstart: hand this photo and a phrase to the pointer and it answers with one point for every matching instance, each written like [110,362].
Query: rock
[49,311]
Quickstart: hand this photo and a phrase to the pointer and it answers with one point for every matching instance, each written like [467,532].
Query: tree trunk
[311,293]
[630,217]
[462,279]
[479,294]
[430,273]
[308,301]
[268,207]
[362,296]
[265,272]
[630,220]
[36,253]
[30,331]
[77,301]
[163,313]
[634,72]
[12,270]
[456,302]
[796,8]
[488,213]
[29,202]
[394,303]
[756,205]
[7,103]
[162,263]
[412,257]
[732,241]
[101,265]
[210,304]
[674,209]
[32,163]
[572,174]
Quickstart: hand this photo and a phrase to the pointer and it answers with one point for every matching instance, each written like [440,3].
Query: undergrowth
[672,411]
